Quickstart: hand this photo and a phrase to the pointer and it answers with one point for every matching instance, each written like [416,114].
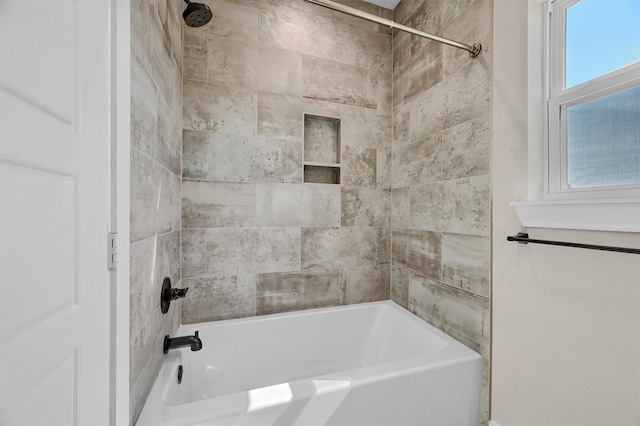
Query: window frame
[558,99]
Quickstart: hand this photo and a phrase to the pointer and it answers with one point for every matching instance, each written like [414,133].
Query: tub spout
[179,342]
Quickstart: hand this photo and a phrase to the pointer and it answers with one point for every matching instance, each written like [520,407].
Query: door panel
[54,187]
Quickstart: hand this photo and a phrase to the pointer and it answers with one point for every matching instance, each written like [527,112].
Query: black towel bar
[523,238]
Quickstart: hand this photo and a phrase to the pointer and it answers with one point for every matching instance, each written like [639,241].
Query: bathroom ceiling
[388,4]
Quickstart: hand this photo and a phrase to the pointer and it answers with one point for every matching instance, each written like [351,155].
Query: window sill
[618,215]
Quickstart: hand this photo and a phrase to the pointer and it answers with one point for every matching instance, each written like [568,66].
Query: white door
[54,212]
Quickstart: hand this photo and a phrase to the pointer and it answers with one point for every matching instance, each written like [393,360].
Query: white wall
[566,322]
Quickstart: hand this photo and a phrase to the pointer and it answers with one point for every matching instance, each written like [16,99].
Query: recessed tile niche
[321,149]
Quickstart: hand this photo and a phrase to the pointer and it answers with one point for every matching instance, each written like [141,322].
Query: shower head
[196,14]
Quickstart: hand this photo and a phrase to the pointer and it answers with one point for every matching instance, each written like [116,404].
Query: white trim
[618,215]
[493,423]
[119,209]
[558,98]
[600,214]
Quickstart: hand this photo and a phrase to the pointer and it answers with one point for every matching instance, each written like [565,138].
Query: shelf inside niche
[321,149]
[321,174]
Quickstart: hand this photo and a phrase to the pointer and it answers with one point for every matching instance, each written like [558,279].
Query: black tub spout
[179,342]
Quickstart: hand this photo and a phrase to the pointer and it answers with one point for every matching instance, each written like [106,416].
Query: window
[593,99]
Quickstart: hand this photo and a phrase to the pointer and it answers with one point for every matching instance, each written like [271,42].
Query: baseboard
[493,423]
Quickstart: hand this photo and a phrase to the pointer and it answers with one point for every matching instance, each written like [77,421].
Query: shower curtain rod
[474,50]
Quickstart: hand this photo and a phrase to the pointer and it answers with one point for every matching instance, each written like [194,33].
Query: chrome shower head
[196,14]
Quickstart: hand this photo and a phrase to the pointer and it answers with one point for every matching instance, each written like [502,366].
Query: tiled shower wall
[255,238]
[441,158]
[156,130]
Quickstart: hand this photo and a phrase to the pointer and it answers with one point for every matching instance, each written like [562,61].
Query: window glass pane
[603,141]
[602,36]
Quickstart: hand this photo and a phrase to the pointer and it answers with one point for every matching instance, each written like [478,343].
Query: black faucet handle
[166,344]
[178,293]
[167,294]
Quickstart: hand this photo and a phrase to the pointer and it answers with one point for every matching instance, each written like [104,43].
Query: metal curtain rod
[523,238]
[474,50]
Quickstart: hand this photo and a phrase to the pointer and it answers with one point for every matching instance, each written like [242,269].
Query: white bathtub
[367,364]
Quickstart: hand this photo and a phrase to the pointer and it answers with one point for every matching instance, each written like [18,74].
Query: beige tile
[155,198]
[232,62]
[466,96]
[291,291]
[451,10]
[365,127]
[195,55]
[218,204]
[428,111]
[169,142]
[323,109]
[427,66]
[419,251]
[460,314]
[458,206]
[466,148]
[359,167]
[194,253]
[141,18]
[401,53]
[252,250]
[471,24]
[428,16]
[466,207]
[418,162]
[335,247]
[415,79]
[194,154]
[373,50]
[400,208]
[253,158]
[218,108]
[405,10]
[281,116]
[142,297]
[384,158]
[400,286]
[314,35]
[379,89]
[401,126]
[363,206]
[166,74]
[217,298]
[280,71]
[298,205]
[367,284]
[420,67]
[426,204]
[383,245]
[466,262]
[167,263]
[338,82]
[144,110]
